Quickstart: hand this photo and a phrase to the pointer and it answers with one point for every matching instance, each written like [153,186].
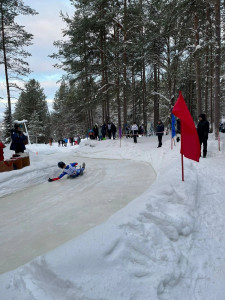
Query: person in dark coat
[113,129]
[142,129]
[104,130]
[178,130]
[109,129]
[71,141]
[19,140]
[160,132]
[95,129]
[203,131]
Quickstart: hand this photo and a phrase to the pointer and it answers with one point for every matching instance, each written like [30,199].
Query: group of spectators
[72,141]
[101,132]
[19,140]
[129,130]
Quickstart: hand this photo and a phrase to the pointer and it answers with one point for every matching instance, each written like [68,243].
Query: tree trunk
[125,66]
[207,70]
[169,69]
[118,100]
[198,71]
[134,96]
[211,66]
[6,67]
[217,69]
[104,113]
[144,94]
[117,74]
[144,114]
[156,102]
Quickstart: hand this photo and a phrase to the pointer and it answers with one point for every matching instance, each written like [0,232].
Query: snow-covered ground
[167,243]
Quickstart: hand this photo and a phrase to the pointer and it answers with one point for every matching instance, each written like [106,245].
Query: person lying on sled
[68,170]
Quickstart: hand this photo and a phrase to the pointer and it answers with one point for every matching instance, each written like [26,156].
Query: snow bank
[141,252]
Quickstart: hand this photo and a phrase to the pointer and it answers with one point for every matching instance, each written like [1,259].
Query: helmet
[61,164]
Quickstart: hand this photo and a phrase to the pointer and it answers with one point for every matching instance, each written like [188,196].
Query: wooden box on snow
[17,163]
[6,165]
[26,161]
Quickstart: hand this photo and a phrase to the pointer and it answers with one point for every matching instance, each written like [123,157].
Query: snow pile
[157,247]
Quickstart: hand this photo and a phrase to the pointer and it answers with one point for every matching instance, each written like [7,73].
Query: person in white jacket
[134,129]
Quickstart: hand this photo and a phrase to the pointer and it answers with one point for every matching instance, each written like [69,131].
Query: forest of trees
[126,60]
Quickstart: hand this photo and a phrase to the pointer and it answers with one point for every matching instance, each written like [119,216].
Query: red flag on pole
[190,146]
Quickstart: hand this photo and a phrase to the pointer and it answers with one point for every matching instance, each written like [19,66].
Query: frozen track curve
[42,217]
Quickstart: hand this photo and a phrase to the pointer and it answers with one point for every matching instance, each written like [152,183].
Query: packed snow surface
[167,243]
[42,217]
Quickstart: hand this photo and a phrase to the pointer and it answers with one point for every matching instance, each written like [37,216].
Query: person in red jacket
[70,170]
[1,151]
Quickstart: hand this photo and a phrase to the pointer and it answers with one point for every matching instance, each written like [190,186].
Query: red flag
[190,146]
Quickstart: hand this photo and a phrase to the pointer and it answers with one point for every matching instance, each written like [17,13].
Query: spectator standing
[19,140]
[178,131]
[91,134]
[109,130]
[160,132]
[113,129]
[65,142]
[100,133]
[104,128]
[71,141]
[2,146]
[203,131]
[95,129]
[78,139]
[142,129]
[134,129]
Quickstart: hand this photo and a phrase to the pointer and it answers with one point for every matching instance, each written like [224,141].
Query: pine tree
[31,103]
[36,128]
[6,126]
[13,40]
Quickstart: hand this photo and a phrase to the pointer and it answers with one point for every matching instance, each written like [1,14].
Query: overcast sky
[46,27]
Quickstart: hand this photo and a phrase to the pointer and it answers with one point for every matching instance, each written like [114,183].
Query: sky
[46,27]
[167,243]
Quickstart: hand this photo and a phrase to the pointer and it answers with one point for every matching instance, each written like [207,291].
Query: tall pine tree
[13,40]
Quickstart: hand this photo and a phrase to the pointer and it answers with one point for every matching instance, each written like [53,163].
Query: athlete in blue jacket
[70,170]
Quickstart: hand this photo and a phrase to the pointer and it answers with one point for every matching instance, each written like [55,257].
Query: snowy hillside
[167,243]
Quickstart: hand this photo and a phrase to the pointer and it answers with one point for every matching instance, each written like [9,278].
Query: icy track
[42,217]
[166,244]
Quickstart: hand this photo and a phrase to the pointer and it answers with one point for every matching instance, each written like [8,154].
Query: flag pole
[120,134]
[182,165]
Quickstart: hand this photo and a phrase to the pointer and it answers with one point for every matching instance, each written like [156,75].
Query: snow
[167,241]
[197,47]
